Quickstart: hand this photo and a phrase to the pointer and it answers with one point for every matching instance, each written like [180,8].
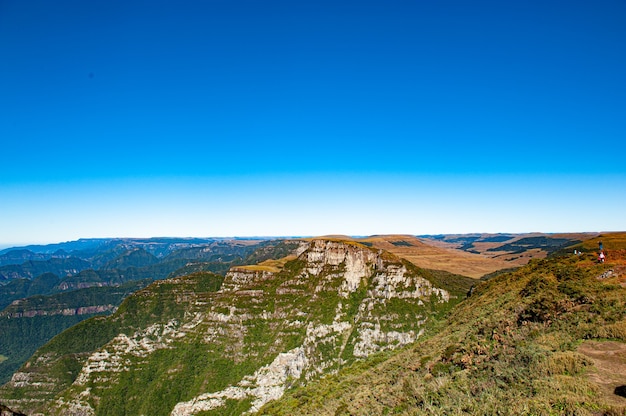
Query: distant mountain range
[517,249]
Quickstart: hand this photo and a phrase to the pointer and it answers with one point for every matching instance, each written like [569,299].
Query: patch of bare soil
[609,372]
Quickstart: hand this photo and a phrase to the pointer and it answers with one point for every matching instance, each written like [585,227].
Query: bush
[565,362]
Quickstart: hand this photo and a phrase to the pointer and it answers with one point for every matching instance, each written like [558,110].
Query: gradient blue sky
[222,118]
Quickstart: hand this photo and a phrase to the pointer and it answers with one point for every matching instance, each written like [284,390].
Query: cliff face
[181,348]
[82,310]
[5,411]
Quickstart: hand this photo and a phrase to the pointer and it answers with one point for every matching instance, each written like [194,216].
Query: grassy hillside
[537,341]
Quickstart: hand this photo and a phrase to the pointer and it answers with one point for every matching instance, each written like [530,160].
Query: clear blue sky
[227,117]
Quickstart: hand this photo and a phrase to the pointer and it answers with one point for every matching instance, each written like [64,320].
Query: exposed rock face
[5,411]
[261,333]
[83,310]
[239,278]
[267,383]
[65,286]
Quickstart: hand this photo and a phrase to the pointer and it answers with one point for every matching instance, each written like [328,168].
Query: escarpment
[81,310]
[195,344]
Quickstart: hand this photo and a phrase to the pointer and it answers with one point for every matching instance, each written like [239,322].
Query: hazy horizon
[263,237]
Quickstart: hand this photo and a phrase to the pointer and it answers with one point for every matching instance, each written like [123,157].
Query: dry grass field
[429,256]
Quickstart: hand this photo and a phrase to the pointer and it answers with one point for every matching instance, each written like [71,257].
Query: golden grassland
[273,266]
[428,256]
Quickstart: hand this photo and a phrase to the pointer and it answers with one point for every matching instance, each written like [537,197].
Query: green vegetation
[81,298]
[161,301]
[498,273]
[511,348]
[22,335]
[272,250]
[32,268]
[402,243]
[232,407]
[133,258]
[549,244]
[19,256]
[456,284]
[156,304]
[217,267]
[169,377]
[501,238]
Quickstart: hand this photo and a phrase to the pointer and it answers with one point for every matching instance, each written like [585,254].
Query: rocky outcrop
[65,286]
[240,277]
[266,384]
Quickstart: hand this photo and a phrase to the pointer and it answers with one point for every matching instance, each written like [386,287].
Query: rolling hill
[515,249]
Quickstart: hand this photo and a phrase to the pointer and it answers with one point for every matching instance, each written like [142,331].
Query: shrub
[565,362]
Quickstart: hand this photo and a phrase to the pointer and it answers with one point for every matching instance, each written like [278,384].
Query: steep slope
[181,347]
[29,323]
[94,278]
[526,342]
[5,411]
[21,288]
